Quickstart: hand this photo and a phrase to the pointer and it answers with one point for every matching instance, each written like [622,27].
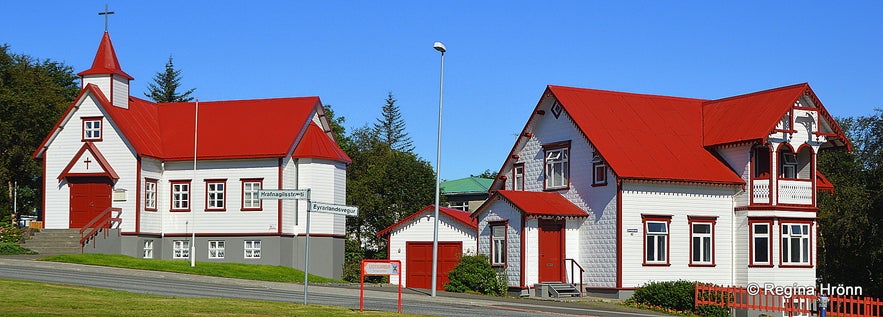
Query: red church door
[551,251]
[90,196]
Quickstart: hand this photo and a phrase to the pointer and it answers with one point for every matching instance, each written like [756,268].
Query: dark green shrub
[475,274]
[9,233]
[712,311]
[675,295]
[13,248]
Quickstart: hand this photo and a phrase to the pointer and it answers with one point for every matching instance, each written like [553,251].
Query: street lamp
[438,46]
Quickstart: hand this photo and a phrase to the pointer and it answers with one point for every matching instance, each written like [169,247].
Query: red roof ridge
[460,216]
[236,100]
[622,93]
[105,61]
[806,85]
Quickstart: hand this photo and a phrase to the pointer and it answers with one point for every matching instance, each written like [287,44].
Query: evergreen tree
[390,127]
[164,87]
[33,96]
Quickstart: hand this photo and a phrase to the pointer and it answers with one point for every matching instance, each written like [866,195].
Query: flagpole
[192,209]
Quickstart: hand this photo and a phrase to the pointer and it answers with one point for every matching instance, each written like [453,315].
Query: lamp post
[438,46]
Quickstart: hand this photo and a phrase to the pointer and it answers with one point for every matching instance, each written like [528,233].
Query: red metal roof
[458,215]
[646,136]
[315,143]
[823,184]
[539,203]
[105,61]
[748,117]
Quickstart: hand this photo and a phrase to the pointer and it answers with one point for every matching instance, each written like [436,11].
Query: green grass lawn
[21,298]
[257,272]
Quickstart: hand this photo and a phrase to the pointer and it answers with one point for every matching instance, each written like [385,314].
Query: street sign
[349,211]
[381,268]
[284,194]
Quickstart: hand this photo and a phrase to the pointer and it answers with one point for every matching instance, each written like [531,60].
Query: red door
[418,264]
[551,251]
[89,197]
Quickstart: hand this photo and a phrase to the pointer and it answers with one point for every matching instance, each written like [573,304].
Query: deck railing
[101,223]
[573,264]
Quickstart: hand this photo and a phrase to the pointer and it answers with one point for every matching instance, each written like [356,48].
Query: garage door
[418,266]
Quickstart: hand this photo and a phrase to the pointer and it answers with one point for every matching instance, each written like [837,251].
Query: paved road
[184,285]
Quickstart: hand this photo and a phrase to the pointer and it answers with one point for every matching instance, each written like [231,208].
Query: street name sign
[284,194]
[349,211]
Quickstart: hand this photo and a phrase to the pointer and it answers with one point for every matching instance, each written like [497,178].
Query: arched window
[762,162]
[804,162]
[787,162]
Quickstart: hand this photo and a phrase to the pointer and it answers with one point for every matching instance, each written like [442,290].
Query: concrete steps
[55,241]
[557,290]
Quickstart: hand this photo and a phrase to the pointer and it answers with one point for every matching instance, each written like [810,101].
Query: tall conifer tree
[390,128]
[164,87]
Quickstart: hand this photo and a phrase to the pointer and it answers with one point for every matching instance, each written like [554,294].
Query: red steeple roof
[105,62]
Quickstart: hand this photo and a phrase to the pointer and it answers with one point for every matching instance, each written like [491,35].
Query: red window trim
[172,195]
[242,182]
[769,222]
[491,225]
[656,218]
[514,178]
[811,224]
[83,121]
[556,146]
[155,194]
[216,181]
[703,219]
[595,182]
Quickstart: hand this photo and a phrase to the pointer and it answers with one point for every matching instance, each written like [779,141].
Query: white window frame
[216,249]
[250,188]
[702,252]
[796,234]
[181,249]
[180,196]
[789,165]
[215,195]
[92,129]
[518,177]
[459,205]
[766,238]
[498,243]
[656,242]
[148,249]
[150,192]
[557,162]
[252,249]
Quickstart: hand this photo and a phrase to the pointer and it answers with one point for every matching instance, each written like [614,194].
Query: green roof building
[466,193]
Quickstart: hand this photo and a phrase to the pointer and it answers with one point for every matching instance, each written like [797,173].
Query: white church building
[114,160]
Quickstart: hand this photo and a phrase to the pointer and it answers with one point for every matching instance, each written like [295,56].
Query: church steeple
[107,74]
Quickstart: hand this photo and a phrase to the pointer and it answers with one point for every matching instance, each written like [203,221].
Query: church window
[92,129]
[250,188]
[181,195]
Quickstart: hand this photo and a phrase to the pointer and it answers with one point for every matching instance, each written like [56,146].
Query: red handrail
[101,221]
[581,271]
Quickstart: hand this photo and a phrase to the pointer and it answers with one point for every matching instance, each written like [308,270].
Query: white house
[633,188]
[114,159]
[410,241]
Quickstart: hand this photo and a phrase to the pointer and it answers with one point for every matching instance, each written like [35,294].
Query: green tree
[164,87]
[486,174]
[390,127]
[850,220]
[338,130]
[33,95]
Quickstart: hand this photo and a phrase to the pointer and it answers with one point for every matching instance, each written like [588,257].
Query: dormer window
[92,129]
[557,165]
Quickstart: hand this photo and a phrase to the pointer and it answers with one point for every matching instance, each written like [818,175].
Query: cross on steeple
[106,14]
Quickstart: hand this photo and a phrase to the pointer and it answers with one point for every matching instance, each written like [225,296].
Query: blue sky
[501,54]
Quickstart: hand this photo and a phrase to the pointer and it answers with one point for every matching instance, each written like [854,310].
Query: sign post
[293,194]
[379,267]
[349,211]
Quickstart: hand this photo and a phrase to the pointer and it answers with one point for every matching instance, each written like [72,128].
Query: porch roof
[537,203]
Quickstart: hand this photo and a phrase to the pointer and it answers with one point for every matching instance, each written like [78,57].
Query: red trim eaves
[449,212]
[99,158]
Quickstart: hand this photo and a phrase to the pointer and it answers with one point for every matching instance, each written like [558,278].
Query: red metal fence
[792,304]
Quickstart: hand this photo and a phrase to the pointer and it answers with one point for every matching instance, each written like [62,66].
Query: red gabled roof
[105,61]
[458,215]
[748,117]
[106,168]
[645,136]
[537,203]
[823,184]
[315,143]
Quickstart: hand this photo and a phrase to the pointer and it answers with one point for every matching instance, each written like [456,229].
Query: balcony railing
[760,191]
[795,192]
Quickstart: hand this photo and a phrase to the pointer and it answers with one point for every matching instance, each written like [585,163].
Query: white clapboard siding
[61,151]
[120,92]
[102,81]
[738,158]
[233,219]
[777,275]
[679,201]
[151,221]
[421,227]
[321,176]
